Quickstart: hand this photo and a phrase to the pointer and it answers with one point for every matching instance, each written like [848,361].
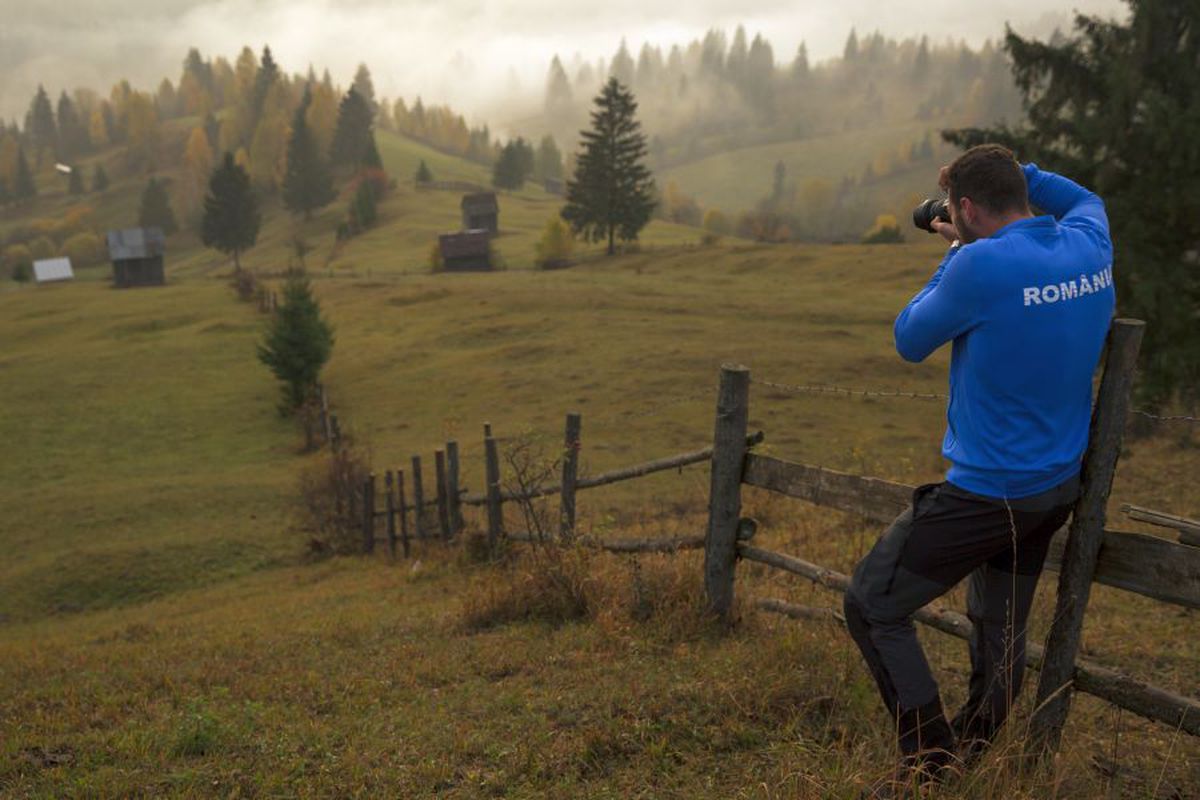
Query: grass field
[164,634]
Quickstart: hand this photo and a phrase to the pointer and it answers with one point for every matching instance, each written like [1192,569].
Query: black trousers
[946,535]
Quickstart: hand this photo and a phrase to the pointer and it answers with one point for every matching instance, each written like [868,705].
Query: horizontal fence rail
[1136,696]
[1134,562]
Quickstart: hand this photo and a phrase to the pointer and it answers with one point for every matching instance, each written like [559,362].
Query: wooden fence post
[369,514]
[324,398]
[452,487]
[418,498]
[391,514]
[336,430]
[1085,534]
[495,516]
[725,493]
[570,472]
[443,505]
[400,506]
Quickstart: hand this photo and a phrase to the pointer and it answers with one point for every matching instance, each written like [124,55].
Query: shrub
[885,231]
[551,584]
[556,245]
[18,262]
[331,501]
[85,250]
[42,248]
[716,222]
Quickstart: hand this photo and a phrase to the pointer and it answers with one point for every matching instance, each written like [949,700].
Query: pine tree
[363,208]
[99,179]
[24,189]
[1113,107]
[231,216]
[75,182]
[298,343]
[72,135]
[514,165]
[365,88]
[423,174]
[548,163]
[307,184]
[156,208]
[266,77]
[612,192]
[353,130]
[40,126]
[5,194]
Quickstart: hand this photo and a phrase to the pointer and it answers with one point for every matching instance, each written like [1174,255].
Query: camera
[927,212]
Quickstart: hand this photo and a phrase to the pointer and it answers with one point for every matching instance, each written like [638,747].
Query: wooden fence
[1083,552]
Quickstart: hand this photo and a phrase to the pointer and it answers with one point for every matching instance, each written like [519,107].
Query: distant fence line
[1082,552]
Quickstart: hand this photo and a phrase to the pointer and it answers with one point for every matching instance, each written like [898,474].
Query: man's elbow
[910,351]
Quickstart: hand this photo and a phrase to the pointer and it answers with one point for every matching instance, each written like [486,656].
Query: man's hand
[946,229]
[944,178]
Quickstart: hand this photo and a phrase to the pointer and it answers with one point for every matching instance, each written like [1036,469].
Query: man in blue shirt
[1026,302]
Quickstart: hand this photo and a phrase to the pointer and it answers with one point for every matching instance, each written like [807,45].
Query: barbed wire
[825,388]
[1157,418]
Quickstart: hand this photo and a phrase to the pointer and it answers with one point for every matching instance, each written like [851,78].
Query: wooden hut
[467,251]
[480,211]
[137,257]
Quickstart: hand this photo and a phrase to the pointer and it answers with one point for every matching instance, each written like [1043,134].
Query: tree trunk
[611,233]
[237,264]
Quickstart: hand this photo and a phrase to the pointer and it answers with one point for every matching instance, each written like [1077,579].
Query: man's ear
[967,210]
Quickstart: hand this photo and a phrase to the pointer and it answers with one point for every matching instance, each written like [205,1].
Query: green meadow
[164,631]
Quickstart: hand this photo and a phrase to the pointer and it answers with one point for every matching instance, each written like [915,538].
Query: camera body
[928,211]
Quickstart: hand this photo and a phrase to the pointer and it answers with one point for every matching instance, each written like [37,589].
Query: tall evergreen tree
[514,165]
[40,127]
[72,133]
[548,162]
[268,74]
[231,215]
[612,192]
[366,88]
[298,343]
[1114,107]
[423,174]
[350,137]
[156,209]
[24,188]
[307,184]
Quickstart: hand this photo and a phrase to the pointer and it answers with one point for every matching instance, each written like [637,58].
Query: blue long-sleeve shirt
[1027,309]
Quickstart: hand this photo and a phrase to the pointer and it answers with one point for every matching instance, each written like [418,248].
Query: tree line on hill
[715,94]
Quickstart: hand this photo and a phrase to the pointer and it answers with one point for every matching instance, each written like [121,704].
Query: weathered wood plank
[368,532]
[873,498]
[1086,533]
[390,489]
[570,469]
[495,513]
[452,487]
[443,502]
[1143,564]
[1141,698]
[418,498]
[1189,529]
[725,488]
[614,476]
[401,510]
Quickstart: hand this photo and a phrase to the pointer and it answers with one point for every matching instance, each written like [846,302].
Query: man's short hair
[990,175]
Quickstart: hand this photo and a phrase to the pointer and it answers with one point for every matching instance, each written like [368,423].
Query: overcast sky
[408,44]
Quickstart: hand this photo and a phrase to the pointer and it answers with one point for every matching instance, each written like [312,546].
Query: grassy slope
[148,460]
[739,179]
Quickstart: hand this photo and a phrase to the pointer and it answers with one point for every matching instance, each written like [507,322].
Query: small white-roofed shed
[51,270]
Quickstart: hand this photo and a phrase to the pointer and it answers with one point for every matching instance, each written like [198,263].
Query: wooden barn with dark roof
[137,257]
[480,211]
[468,251]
